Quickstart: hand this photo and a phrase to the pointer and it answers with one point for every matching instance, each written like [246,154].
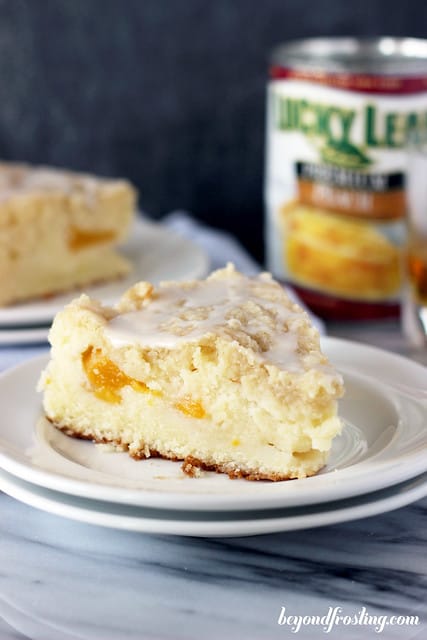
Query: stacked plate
[379,462]
[156,254]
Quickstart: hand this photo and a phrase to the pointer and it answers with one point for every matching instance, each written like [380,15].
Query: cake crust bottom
[190,465]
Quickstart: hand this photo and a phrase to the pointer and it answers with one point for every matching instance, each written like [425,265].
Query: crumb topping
[22,179]
[254,312]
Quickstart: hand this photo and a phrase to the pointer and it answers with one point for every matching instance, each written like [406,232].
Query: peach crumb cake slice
[59,230]
[225,374]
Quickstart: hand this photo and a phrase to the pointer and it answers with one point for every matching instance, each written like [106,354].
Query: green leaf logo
[344,154]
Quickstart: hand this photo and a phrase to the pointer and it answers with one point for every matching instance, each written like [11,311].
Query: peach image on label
[339,255]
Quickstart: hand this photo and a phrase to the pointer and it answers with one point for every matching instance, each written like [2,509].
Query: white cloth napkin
[10,356]
[220,246]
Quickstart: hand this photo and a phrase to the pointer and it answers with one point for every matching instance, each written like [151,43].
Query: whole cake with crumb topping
[59,229]
[225,374]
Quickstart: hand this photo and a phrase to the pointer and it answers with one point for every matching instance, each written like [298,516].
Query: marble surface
[63,580]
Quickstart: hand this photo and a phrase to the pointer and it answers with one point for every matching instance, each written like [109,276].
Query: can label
[335,181]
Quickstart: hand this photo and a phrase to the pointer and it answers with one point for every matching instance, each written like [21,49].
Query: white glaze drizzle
[217,302]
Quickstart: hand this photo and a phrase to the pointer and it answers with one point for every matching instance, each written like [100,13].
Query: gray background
[169,93]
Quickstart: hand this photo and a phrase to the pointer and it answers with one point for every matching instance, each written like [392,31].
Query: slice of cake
[225,374]
[58,230]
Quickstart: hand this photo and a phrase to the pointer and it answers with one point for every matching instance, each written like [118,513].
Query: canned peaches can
[338,116]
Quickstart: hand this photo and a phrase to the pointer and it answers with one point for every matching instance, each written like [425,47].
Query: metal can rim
[384,55]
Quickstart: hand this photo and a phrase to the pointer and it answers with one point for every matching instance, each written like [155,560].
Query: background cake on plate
[59,229]
[224,373]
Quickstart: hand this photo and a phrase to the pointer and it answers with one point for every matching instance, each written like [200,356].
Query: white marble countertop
[64,580]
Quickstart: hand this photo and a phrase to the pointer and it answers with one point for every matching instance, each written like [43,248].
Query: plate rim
[394,497]
[198,501]
[23,335]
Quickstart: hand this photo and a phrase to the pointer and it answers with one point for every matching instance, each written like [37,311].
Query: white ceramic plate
[184,523]
[23,335]
[384,442]
[156,253]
